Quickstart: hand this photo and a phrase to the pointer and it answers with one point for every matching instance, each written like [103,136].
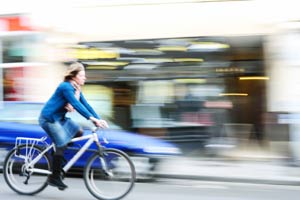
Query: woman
[61,129]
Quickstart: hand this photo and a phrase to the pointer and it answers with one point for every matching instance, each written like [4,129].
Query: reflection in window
[13,52]
[17,49]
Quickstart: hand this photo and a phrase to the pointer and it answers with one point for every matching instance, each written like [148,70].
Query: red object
[14,23]
[197,118]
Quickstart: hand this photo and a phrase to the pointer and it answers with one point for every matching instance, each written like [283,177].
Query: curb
[230,179]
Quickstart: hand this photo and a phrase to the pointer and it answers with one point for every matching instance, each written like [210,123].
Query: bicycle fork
[101,154]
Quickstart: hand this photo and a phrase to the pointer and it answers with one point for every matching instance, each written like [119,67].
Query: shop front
[186,90]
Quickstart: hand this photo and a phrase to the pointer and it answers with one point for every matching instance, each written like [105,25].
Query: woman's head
[76,73]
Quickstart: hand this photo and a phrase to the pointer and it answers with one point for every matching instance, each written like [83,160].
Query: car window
[28,112]
[87,123]
[20,112]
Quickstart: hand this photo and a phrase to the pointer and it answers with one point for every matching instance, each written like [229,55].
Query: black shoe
[56,182]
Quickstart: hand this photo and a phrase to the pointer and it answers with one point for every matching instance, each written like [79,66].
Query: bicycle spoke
[17,172]
[109,177]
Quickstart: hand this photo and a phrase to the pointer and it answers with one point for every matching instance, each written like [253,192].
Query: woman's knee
[79,133]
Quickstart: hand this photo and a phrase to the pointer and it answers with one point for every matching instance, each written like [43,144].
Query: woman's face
[80,78]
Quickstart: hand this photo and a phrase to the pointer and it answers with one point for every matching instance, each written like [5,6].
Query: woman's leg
[55,179]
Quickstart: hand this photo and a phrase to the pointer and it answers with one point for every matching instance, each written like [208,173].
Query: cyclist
[61,129]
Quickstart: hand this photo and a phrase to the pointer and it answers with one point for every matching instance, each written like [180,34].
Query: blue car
[19,119]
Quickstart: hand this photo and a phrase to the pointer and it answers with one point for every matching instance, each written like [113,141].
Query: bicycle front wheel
[111,176]
[19,176]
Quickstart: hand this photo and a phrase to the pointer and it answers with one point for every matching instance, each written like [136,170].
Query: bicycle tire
[15,174]
[115,182]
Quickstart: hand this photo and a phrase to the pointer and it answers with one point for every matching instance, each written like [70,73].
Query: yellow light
[254,78]
[103,67]
[191,80]
[86,54]
[155,60]
[107,63]
[214,45]
[172,48]
[188,60]
[233,94]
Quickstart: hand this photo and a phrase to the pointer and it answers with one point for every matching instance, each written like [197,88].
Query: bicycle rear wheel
[17,174]
[114,182]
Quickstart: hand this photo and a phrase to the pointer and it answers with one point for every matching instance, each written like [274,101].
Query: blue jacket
[54,109]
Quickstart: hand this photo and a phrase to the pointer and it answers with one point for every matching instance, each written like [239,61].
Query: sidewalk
[259,168]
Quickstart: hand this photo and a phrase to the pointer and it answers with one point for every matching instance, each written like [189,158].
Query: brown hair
[73,70]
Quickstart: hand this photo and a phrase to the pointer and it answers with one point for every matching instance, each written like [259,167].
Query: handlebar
[94,129]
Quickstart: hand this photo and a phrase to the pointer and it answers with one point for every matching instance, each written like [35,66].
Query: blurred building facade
[188,71]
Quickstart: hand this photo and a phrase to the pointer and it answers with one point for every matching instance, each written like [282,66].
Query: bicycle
[27,167]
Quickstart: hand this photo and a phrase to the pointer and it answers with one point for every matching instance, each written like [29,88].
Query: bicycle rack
[29,142]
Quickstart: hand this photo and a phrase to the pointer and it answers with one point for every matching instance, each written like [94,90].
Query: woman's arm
[88,106]
[68,93]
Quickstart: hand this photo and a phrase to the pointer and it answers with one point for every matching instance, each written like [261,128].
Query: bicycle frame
[108,174]
[91,138]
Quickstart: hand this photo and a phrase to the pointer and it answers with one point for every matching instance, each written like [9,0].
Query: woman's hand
[99,122]
[103,123]
[69,108]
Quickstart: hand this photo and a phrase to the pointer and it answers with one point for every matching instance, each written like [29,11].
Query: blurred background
[217,78]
